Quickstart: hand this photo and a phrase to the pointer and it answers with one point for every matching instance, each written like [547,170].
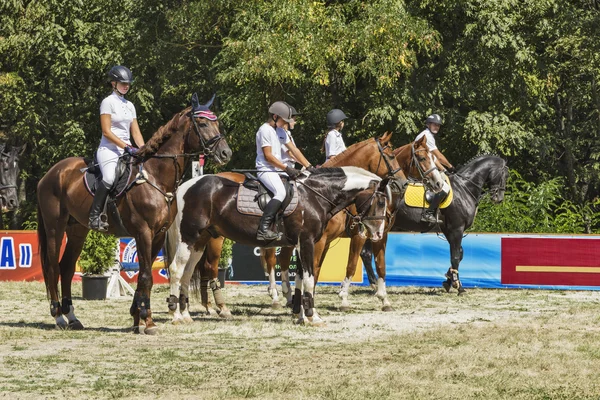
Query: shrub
[226,253]
[98,253]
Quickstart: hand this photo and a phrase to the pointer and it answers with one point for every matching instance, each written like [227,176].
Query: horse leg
[356,244]
[51,229]
[456,256]
[297,310]
[211,266]
[366,255]
[285,258]
[379,252]
[189,258]
[141,310]
[308,284]
[175,273]
[76,235]
[268,262]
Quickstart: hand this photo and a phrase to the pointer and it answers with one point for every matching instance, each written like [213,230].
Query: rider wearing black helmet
[270,165]
[433,123]
[118,120]
[334,143]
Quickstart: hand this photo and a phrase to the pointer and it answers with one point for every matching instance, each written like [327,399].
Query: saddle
[93,176]
[416,196]
[253,196]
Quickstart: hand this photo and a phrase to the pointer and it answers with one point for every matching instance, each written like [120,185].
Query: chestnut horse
[417,162]
[374,155]
[208,210]
[146,210]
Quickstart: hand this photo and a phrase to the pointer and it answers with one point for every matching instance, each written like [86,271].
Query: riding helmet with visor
[281,109]
[119,73]
[334,117]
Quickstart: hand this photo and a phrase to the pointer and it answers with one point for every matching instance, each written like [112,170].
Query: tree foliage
[511,77]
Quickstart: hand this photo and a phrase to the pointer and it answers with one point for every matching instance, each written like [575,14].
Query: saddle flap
[252,202]
[93,176]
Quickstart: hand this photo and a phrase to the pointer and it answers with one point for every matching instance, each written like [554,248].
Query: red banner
[19,256]
[550,261]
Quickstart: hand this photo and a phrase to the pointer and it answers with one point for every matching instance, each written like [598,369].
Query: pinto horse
[469,184]
[208,210]
[375,155]
[145,209]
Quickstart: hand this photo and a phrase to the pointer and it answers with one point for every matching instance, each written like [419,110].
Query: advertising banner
[246,266]
[129,262]
[19,256]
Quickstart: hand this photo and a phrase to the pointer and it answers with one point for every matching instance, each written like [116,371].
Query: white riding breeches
[107,161]
[273,182]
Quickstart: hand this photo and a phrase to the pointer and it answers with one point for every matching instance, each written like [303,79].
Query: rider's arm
[136,133]
[105,122]
[441,160]
[271,159]
[297,154]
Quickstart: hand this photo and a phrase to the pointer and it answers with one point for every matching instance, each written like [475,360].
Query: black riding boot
[430,215]
[264,232]
[96,222]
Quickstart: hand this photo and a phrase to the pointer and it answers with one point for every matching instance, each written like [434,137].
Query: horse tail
[43,245]
[196,280]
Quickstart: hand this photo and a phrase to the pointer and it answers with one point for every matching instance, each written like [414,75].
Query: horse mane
[477,158]
[355,146]
[161,135]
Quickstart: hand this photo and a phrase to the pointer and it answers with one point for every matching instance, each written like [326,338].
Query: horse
[374,155]
[469,185]
[144,209]
[9,173]
[208,210]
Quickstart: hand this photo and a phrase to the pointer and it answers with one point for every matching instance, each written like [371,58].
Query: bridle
[386,159]
[415,161]
[4,155]
[208,146]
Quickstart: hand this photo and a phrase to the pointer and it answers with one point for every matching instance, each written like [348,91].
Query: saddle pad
[247,203]
[92,177]
[415,196]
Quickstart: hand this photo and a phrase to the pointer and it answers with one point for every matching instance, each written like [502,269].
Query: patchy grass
[505,344]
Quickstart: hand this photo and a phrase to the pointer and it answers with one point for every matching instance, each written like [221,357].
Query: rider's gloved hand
[450,170]
[293,173]
[131,150]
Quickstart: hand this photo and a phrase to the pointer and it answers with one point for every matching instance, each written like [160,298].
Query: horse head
[9,173]
[208,137]
[417,160]
[497,181]
[372,208]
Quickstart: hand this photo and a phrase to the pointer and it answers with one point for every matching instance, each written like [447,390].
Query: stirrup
[98,225]
[268,235]
[430,217]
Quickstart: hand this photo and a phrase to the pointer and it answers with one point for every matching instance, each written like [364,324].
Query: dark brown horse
[9,173]
[375,155]
[145,208]
[208,210]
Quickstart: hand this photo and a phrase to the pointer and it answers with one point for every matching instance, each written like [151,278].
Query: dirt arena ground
[488,344]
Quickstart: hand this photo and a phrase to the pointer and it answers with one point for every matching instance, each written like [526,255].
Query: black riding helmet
[334,117]
[434,118]
[119,73]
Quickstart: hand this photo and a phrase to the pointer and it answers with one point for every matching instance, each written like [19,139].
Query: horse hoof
[187,319]
[299,321]
[225,314]
[151,329]
[177,321]
[387,308]
[289,304]
[76,325]
[446,286]
[276,306]
[140,329]
[461,291]
[344,308]
[316,322]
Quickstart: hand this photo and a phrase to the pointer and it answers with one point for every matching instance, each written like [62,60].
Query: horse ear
[386,137]
[207,105]
[195,102]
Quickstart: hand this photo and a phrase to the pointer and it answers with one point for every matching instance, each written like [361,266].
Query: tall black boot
[430,215]
[264,232]
[96,222]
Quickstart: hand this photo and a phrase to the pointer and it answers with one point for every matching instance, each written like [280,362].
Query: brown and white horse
[146,210]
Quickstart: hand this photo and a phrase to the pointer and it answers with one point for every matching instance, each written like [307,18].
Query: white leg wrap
[344,292]
[382,293]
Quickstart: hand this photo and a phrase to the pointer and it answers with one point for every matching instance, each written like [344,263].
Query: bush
[98,253]
[226,253]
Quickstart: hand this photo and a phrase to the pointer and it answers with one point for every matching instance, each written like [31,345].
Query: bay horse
[469,184]
[9,173]
[374,155]
[208,210]
[145,209]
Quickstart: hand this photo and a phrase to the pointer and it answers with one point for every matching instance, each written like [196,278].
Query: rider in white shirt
[290,153]
[118,120]
[270,165]
[433,123]
[334,143]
